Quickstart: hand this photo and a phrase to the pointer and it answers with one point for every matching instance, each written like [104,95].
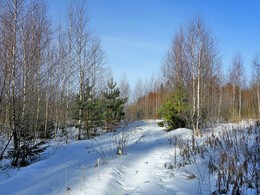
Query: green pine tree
[92,116]
[174,110]
[114,106]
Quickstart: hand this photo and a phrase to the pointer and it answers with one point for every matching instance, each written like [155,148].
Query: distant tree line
[193,90]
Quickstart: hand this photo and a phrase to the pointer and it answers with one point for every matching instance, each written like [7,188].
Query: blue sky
[136,34]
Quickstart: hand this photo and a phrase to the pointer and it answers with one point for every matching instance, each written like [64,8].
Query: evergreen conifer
[114,106]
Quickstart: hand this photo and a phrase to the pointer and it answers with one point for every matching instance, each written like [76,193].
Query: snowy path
[70,170]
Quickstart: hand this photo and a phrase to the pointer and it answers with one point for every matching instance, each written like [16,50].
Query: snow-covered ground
[78,168]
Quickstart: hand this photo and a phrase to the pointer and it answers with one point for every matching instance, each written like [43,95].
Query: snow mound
[183,133]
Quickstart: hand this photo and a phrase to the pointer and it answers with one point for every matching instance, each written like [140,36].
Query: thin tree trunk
[13,72]
[24,100]
[193,95]
[234,98]
[68,77]
[56,112]
[80,100]
[156,103]
[258,98]
[67,103]
[38,93]
[24,84]
[193,103]
[46,112]
[240,103]
[7,120]
[220,103]
[198,101]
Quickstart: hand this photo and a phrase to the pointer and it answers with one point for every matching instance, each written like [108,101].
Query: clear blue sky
[136,34]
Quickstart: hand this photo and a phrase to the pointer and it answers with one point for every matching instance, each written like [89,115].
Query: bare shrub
[122,141]
[231,156]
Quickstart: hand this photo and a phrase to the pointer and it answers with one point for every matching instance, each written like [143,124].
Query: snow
[77,168]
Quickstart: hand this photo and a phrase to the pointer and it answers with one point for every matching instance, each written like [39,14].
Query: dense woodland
[54,77]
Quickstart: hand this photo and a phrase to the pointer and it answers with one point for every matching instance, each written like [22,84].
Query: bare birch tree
[11,18]
[191,62]
[81,39]
[256,78]
[236,76]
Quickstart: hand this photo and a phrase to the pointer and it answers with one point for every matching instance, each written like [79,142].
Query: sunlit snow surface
[71,168]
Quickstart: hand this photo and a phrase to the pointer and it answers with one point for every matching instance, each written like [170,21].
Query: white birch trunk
[234,98]
[46,112]
[240,103]
[13,75]
[219,104]
[258,98]
[80,98]
[198,101]
[38,96]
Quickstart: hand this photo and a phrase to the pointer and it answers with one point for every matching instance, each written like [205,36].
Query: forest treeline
[53,77]
[193,90]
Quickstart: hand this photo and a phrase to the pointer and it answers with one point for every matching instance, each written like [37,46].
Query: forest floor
[148,166]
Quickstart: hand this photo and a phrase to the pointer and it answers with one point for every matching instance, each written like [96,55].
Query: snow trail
[70,169]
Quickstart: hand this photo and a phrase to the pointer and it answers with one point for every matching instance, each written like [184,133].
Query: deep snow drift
[79,168]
